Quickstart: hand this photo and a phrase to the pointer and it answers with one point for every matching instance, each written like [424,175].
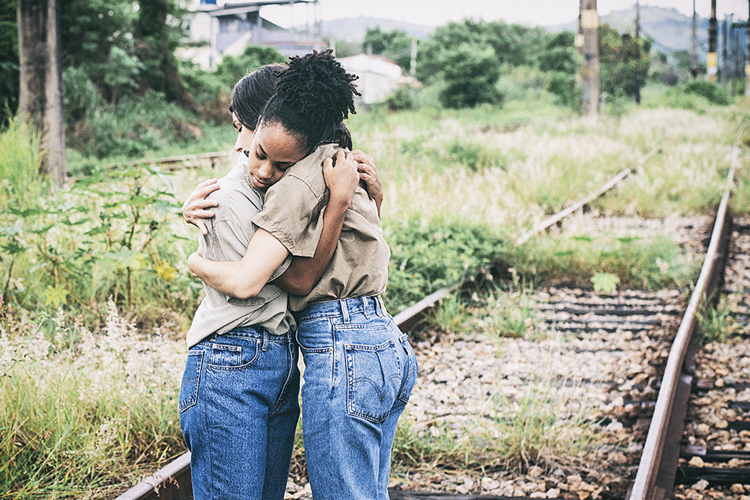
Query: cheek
[245,138]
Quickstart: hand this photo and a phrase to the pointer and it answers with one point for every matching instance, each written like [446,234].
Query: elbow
[244,290]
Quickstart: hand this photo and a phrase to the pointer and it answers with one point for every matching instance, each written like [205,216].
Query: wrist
[339,202]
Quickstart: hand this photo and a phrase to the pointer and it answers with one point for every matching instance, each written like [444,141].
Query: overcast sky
[439,12]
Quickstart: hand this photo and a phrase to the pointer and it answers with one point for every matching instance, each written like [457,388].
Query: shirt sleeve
[293,213]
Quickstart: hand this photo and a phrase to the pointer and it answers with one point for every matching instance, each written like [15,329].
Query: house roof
[245,7]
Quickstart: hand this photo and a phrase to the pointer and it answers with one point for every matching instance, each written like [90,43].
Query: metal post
[413,61]
[747,54]
[725,65]
[590,87]
[694,51]
[638,52]
[713,56]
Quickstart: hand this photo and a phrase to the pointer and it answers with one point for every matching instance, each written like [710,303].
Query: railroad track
[638,315]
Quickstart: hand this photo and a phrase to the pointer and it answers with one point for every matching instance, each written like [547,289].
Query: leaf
[585,238]
[166,272]
[605,282]
[55,295]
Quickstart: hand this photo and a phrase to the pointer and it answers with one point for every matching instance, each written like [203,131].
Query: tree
[156,45]
[9,71]
[395,45]
[619,61]
[40,96]
[470,73]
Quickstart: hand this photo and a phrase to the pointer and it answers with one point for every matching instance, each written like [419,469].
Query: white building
[230,28]
[378,76]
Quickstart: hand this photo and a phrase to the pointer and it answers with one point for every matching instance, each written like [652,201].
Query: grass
[83,408]
[81,413]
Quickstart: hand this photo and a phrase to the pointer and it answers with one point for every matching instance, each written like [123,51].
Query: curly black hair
[314,94]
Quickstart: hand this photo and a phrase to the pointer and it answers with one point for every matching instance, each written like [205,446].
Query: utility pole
[694,52]
[747,54]
[713,56]
[637,51]
[590,87]
[413,60]
[725,66]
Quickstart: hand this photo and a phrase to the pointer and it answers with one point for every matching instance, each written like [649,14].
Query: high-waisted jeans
[239,405]
[359,374]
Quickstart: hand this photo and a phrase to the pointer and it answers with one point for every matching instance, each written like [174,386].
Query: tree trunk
[40,96]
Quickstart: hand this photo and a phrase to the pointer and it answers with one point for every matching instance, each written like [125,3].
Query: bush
[19,164]
[470,72]
[715,93]
[563,85]
[427,255]
[80,95]
[403,98]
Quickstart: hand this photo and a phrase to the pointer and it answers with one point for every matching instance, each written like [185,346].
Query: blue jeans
[359,373]
[239,405]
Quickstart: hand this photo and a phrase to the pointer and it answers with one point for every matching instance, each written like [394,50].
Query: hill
[353,29]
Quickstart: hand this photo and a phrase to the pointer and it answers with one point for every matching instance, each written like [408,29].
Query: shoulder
[308,172]
[236,196]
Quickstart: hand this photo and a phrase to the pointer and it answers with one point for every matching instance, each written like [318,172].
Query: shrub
[403,98]
[19,164]
[709,90]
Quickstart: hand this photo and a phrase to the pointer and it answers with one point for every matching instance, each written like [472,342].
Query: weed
[510,314]
[716,323]
[451,315]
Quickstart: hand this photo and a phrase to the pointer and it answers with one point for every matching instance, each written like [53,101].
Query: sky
[439,12]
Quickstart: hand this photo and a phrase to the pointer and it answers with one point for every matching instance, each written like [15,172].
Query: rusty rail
[554,219]
[655,478]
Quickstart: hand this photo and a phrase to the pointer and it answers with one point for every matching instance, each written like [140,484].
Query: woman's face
[244,134]
[272,151]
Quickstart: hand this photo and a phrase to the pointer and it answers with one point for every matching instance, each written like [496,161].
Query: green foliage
[107,237]
[605,282]
[403,98]
[80,96]
[133,126]
[427,255]
[510,314]
[563,85]
[470,73]
[19,164]
[560,54]
[619,61]
[395,45]
[81,413]
[714,93]
[451,315]
[513,44]
[9,71]
[715,323]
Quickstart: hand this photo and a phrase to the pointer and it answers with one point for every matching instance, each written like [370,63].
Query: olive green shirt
[293,213]
[229,233]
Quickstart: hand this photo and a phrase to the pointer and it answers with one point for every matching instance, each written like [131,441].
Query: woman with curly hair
[239,399]
[359,367]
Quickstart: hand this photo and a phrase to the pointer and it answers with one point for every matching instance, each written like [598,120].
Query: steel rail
[554,219]
[174,162]
[645,485]
[166,483]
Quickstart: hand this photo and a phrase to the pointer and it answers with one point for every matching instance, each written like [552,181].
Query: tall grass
[80,412]
[19,162]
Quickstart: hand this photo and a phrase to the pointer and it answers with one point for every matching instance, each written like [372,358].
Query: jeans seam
[289,375]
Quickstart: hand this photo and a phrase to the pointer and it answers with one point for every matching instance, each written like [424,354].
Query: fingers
[203,191]
[202,226]
[362,156]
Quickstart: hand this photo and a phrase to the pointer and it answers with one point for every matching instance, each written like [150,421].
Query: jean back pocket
[190,380]
[373,375]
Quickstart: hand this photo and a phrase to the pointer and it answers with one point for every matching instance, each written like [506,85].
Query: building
[378,76]
[216,31]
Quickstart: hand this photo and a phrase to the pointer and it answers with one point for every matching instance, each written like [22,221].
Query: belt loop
[365,306]
[380,306]
[264,341]
[344,310]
